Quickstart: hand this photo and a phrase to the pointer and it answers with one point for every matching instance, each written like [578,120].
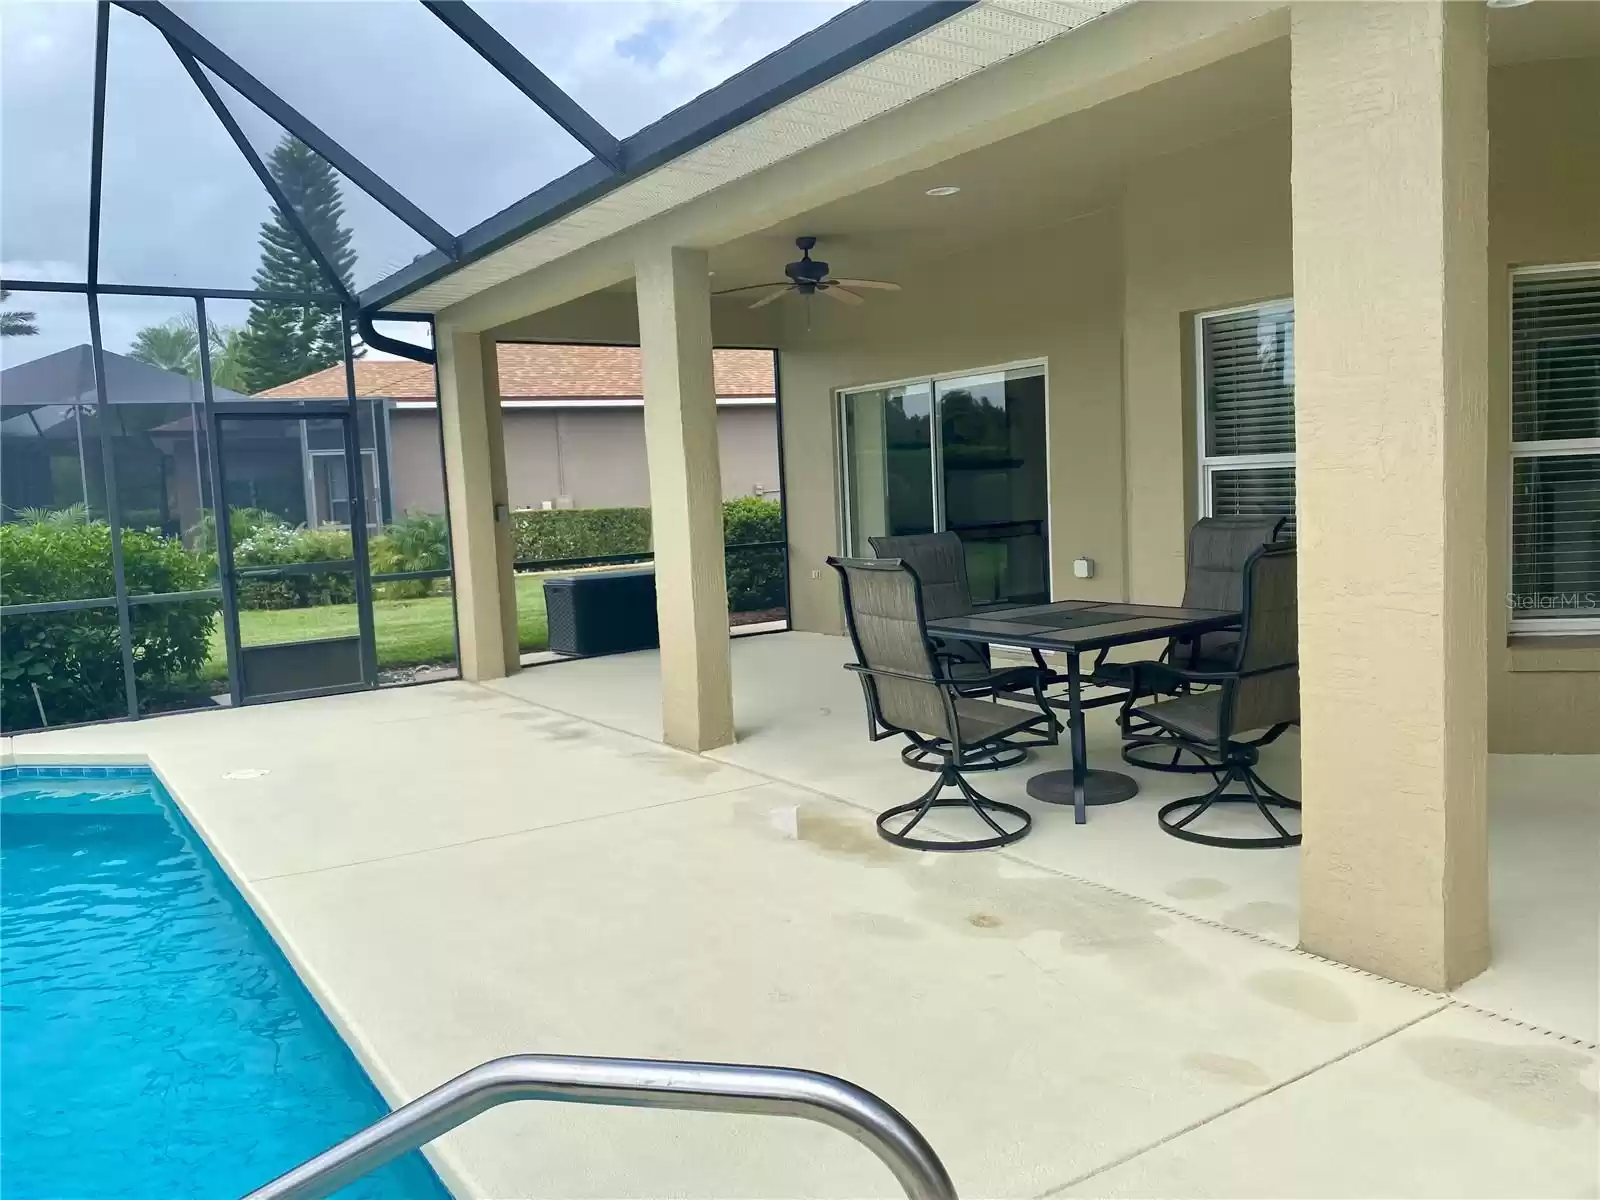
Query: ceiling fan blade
[836,292]
[882,285]
[766,300]
[750,287]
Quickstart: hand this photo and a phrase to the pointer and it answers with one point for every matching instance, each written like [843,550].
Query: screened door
[292,550]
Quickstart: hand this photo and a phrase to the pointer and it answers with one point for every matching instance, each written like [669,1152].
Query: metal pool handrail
[635,1082]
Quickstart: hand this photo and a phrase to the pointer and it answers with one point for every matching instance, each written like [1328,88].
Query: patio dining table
[1073,628]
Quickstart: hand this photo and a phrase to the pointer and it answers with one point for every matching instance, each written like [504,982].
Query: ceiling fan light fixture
[945,189]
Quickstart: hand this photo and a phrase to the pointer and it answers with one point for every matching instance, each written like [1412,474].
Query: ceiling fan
[809,277]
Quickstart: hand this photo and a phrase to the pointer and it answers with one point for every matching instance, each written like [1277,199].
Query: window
[1555,450]
[964,454]
[1246,419]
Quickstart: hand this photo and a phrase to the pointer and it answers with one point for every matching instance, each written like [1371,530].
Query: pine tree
[284,340]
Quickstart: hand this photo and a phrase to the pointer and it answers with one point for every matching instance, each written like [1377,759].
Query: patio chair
[1217,550]
[940,563]
[1258,690]
[909,691]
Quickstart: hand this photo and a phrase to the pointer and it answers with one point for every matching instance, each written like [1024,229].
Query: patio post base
[1257,792]
[1017,826]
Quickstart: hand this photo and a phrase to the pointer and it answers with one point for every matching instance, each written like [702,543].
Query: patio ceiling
[1050,174]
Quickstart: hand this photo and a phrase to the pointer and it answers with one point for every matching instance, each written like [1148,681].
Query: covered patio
[1104,213]
[799,719]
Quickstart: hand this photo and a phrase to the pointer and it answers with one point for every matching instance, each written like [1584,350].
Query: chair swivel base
[1256,793]
[931,756]
[1016,827]
[1147,751]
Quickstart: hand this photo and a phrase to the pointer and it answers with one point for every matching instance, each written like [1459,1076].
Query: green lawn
[408,632]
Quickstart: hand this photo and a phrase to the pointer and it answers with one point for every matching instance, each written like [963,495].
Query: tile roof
[535,371]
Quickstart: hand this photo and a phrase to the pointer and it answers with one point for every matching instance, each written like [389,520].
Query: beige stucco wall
[1544,206]
[595,458]
[1055,296]
[1205,229]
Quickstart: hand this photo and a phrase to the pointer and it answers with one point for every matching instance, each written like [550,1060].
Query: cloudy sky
[383,77]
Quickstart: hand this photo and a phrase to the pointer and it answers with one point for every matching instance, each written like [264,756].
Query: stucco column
[480,521]
[680,431]
[1390,149]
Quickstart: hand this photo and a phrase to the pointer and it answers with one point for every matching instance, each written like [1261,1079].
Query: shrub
[278,545]
[755,577]
[72,514]
[242,523]
[562,533]
[416,542]
[75,658]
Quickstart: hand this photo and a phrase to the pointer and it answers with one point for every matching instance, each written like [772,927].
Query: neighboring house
[574,426]
[51,442]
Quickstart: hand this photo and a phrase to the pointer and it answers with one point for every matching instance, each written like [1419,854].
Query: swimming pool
[155,1042]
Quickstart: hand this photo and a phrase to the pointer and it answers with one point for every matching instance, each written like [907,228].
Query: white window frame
[369,457]
[1210,463]
[1557,448]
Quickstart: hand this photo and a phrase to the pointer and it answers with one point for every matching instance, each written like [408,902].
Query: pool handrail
[637,1083]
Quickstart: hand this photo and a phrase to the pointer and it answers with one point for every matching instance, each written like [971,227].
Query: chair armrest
[1006,677]
[885,673]
[1019,677]
[1154,677]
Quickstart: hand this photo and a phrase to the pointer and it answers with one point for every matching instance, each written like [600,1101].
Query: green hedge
[755,577]
[545,534]
[75,658]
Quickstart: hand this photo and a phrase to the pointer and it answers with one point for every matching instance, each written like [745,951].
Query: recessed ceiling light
[1508,3]
[946,190]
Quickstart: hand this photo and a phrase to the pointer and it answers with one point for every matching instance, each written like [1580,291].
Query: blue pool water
[154,1042]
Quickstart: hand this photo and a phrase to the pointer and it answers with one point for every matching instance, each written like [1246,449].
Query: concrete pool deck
[464,871]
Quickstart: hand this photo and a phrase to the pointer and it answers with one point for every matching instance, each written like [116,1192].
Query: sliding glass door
[963,454]
[889,466]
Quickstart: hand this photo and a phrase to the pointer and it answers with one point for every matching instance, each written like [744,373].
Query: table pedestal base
[1099,787]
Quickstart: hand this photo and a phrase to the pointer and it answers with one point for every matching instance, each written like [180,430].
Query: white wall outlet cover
[1083,568]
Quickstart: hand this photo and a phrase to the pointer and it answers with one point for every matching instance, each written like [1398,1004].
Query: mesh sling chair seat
[1214,560]
[940,563]
[1259,690]
[909,692]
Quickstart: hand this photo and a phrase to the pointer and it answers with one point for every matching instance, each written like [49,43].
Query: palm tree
[228,357]
[174,346]
[17,324]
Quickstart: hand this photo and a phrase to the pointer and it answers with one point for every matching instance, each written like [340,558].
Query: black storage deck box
[607,612]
